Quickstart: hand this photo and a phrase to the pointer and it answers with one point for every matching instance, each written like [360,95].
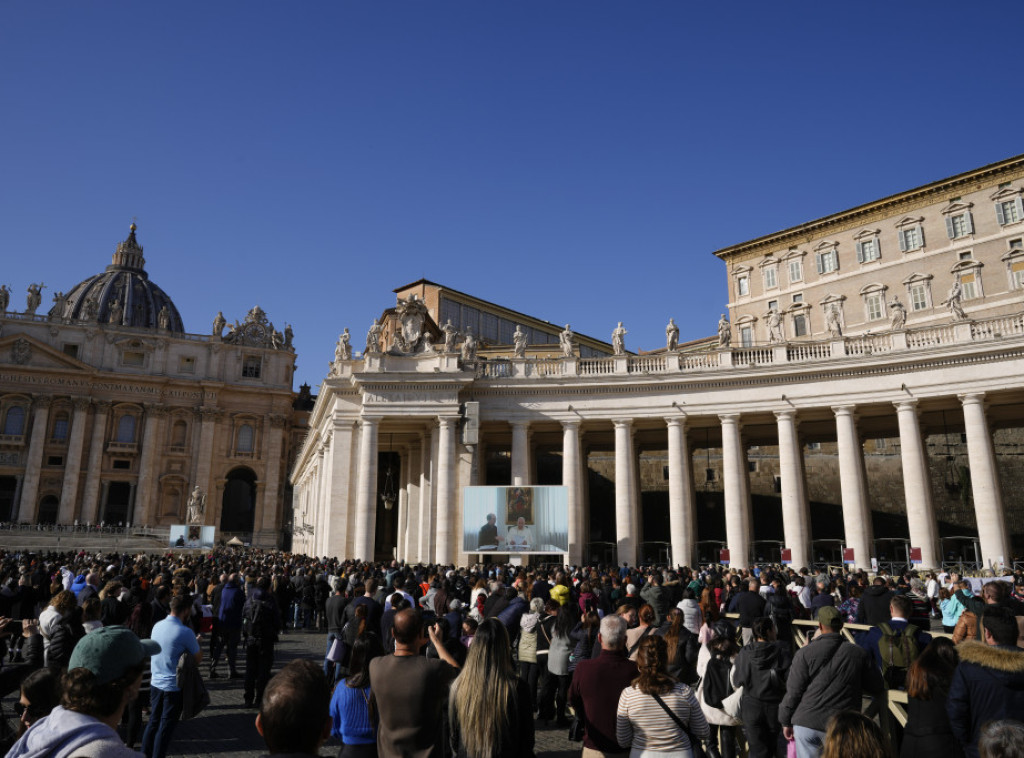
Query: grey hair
[537,605]
[613,632]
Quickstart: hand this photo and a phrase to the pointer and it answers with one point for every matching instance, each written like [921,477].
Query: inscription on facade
[10,459]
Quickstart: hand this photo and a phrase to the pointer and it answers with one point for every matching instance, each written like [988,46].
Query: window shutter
[969,222]
[1000,216]
[920,235]
[819,259]
[949,227]
[860,252]
[903,241]
[835,259]
[878,248]
[1020,207]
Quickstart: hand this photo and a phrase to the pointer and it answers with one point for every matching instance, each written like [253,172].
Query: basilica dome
[123,295]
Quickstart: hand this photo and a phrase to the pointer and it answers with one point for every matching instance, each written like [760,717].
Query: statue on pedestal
[835,329]
[116,313]
[566,340]
[451,334]
[953,301]
[196,506]
[899,314]
[343,350]
[671,335]
[519,343]
[34,297]
[289,335]
[5,297]
[90,309]
[60,302]
[219,323]
[163,318]
[373,337]
[469,347]
[619,340]
[724,332]
[774,319]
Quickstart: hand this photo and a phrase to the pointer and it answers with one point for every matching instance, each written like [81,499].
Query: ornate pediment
[917,277]
[956,206]
[23,350]
[909,221]
[830,298]
[257,331]
[1006,193]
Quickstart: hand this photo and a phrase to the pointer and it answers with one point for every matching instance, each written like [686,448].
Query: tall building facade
[898,322]
[110,412]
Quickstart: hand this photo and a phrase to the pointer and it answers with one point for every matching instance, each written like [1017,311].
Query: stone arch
[238,504]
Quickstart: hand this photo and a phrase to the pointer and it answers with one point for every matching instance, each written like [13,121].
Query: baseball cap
[829,616]
[109,652]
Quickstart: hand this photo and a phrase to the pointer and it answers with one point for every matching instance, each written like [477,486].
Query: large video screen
[515,520]
[192,535]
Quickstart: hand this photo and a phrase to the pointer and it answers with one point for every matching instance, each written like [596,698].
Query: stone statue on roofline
[451,334]
[567,341]
[724,332]
[619,339]
[899,314]
[774,319]
[671,335]
[219,322]
[469,345]
[34,297]
[954,301]
[519,343]
[373,337]
[5,297]
[835,328]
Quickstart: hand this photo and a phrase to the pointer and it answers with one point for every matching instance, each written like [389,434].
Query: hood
[763,652]
[1006,659]
[61,734]
[529,621]
[874,591]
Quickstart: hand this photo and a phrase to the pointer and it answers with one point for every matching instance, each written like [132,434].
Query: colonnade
[430,498]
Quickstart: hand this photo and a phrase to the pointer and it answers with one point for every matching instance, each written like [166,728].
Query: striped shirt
[642,724]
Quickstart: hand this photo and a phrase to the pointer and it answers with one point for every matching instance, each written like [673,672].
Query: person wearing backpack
[896,643]
[261,622]
[714,667]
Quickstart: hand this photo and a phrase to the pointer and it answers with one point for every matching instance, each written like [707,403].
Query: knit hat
[109,652]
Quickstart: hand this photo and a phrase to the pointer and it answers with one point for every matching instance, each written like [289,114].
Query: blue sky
[575,160]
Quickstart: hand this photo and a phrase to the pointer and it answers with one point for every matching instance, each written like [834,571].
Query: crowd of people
[440,660]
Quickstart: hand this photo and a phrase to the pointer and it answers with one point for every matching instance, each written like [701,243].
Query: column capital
[906,405]
[573,423]
[787,414]
[845,410]
[277,420]
[102,406]
[370,420]
[729,418]
[973,398]
[157,409]
[81,403]
[519,424]
[674,421]
[208,414]
[42,401]
[446,422]
[343,424]
[619,423]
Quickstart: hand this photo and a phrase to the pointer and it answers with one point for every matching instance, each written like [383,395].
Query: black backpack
[259,625]
[717,686]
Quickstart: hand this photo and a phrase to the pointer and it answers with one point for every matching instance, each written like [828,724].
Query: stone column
[366,490]
[734,474]
[104,491]
[92,471]
[204,460]
[146,495]
[426,499]
[34,460]
[853,487]
[571,479]
[988,501]
[73,462]
[924,531]
[447,508]
[624,491]
[267,524]
[796,521]
[413,477]
[338,508]
[682,516]
[520,453]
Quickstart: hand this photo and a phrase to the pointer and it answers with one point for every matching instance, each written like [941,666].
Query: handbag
[696,746]
[576,729]
[194,696]
[731,704]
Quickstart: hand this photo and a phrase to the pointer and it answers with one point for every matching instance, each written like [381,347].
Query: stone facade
[106,419]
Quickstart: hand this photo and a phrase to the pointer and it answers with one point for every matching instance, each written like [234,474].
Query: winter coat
[528,631]
[713,715]
[511,613]
[987,685]
[874,605]
[928,732]
[828,675]
[692,616]
[753,667]
[656,597]
[67,734]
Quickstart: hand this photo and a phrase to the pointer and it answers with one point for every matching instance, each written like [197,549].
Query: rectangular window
[55,460]
[814,446]
[742,286]
[122,465]
[796,270]
[60,429]
[798,297]
[959,225]
[828,262]
[965,256]
[752,467]
[1017,244]
[800,325]
[1017,271]
[1009,211]
[873,305]
[911,238]
[773,305]
[970,286]
[133,358]
[868,250]
[71,350]
[880,443]
[186,365]
[746,336]
[918,297]
[770,278]
[252,367]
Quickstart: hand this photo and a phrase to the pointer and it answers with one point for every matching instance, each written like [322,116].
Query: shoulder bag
[696,746]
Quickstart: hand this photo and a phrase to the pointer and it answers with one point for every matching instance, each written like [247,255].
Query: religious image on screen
[192,535]
[520,520]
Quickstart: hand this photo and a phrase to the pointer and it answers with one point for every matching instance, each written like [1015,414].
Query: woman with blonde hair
[852,735]
[658,716]
[490,709]
[55,626]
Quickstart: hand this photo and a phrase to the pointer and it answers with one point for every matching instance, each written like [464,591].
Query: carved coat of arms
[412,314]
[21,351]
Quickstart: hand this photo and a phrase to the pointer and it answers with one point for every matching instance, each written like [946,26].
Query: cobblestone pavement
[226,728]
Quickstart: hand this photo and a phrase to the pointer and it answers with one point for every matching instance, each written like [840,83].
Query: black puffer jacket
[874,605]
[828,675]
[753,666]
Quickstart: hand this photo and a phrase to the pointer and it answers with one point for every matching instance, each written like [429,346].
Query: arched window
[178,432]
[14,424]
[126,428]
[60,427]
[244,441]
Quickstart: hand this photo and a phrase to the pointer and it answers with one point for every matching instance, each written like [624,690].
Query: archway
[48,508]
[238,506]
[8,489]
